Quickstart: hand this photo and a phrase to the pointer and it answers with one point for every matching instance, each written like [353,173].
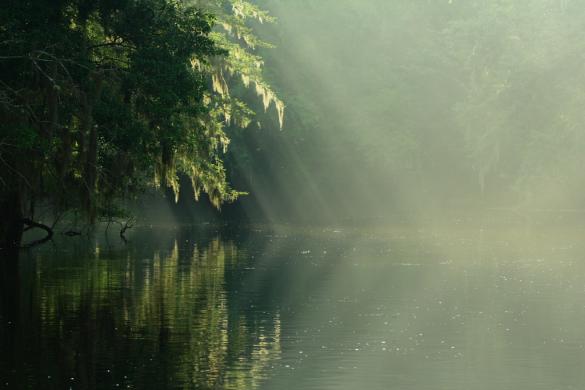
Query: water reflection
[156,314]
[461,307]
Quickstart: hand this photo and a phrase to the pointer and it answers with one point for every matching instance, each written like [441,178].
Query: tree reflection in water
[163,312]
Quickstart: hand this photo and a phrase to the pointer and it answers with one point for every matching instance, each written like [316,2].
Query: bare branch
[30,224]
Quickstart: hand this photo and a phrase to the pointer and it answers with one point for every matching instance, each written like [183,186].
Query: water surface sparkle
[283,308]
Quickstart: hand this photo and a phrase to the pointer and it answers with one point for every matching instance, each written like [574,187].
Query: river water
[299,308]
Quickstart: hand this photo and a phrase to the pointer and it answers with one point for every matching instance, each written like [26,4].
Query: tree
[242,65]
[100,100]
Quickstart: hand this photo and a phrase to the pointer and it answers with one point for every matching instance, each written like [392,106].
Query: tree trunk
[90,130]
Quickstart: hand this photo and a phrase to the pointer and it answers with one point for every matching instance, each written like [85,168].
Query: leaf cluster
[101,99]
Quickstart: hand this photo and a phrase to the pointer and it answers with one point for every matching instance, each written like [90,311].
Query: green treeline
[392,107]
[101,100]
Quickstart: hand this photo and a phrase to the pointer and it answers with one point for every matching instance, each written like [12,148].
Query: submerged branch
[129,224]
[30,224]
[124,226]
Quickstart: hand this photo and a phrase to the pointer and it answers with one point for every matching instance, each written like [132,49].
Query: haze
[411,109]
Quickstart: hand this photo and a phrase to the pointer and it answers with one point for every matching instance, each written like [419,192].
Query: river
[396,307]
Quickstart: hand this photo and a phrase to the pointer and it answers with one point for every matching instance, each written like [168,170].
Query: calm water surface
[283,308]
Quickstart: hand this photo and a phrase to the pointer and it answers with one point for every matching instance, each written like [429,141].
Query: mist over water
[417,224]
[277,308]
[419,108]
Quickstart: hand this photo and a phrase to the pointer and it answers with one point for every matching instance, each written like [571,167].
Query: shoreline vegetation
[101,101]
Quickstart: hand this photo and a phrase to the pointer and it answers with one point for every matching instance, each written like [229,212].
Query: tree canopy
[102,99]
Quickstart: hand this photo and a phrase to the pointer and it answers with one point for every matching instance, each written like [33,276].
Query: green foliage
[102,99]
[242,65]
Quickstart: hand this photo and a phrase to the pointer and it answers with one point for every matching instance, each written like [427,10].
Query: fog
[418,109]
[416,223]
